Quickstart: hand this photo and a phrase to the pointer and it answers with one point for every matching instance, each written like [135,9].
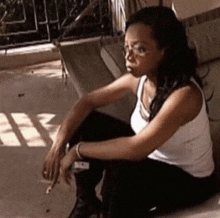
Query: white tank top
[190,147]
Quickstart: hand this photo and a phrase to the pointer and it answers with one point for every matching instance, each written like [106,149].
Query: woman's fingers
[54,181]
[52,169]
[56,165]
[51,165]
[51,173]
[64,175]
[65,170]
[45,171]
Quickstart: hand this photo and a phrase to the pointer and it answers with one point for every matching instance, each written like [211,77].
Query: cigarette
[44,181]
[49,188]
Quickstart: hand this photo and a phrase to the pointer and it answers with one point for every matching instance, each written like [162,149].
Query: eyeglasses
[138,50]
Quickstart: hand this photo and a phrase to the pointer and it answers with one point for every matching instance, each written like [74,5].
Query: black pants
[130,189]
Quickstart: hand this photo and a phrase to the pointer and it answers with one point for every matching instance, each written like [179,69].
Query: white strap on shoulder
[141,86]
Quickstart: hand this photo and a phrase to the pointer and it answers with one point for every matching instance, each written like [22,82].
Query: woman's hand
[66,164]
[51,165]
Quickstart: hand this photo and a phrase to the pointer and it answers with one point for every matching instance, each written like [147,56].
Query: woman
[165,159]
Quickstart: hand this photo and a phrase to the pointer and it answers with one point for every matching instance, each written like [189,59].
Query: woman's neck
[150,88]
[152,81]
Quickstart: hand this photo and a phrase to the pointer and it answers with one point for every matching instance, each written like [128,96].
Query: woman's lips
[129,68]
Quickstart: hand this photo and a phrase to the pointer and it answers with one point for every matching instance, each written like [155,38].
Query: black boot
[84,208]
[87,203]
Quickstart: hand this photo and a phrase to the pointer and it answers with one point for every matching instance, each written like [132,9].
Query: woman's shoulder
[186,101]
[129,81]
[191,94]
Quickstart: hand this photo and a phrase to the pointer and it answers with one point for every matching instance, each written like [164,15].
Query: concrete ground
[33,102]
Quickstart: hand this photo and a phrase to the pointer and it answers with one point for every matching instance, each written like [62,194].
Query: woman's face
[142,54]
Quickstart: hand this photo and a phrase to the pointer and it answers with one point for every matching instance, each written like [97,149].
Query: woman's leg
[96,127]
[137,187]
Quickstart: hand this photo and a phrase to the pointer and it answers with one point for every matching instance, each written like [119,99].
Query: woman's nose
[129,55]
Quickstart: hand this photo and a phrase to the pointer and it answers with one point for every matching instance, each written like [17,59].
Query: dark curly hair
[180,61]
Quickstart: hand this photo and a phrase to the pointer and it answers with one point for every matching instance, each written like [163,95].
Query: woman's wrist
[59,146]
[58,149]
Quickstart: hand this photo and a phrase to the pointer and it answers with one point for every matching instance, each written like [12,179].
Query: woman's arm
[181,107]
[79,111]
[96,99]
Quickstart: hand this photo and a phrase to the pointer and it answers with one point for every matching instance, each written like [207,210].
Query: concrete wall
[18,57]
[187,8]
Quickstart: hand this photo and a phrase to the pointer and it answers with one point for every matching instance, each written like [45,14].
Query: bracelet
[77,151]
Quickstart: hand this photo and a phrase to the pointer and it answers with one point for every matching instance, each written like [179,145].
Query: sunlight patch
[28,131]
[7,136]
[32,130]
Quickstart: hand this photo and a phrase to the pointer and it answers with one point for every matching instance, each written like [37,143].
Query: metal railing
[28,22]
